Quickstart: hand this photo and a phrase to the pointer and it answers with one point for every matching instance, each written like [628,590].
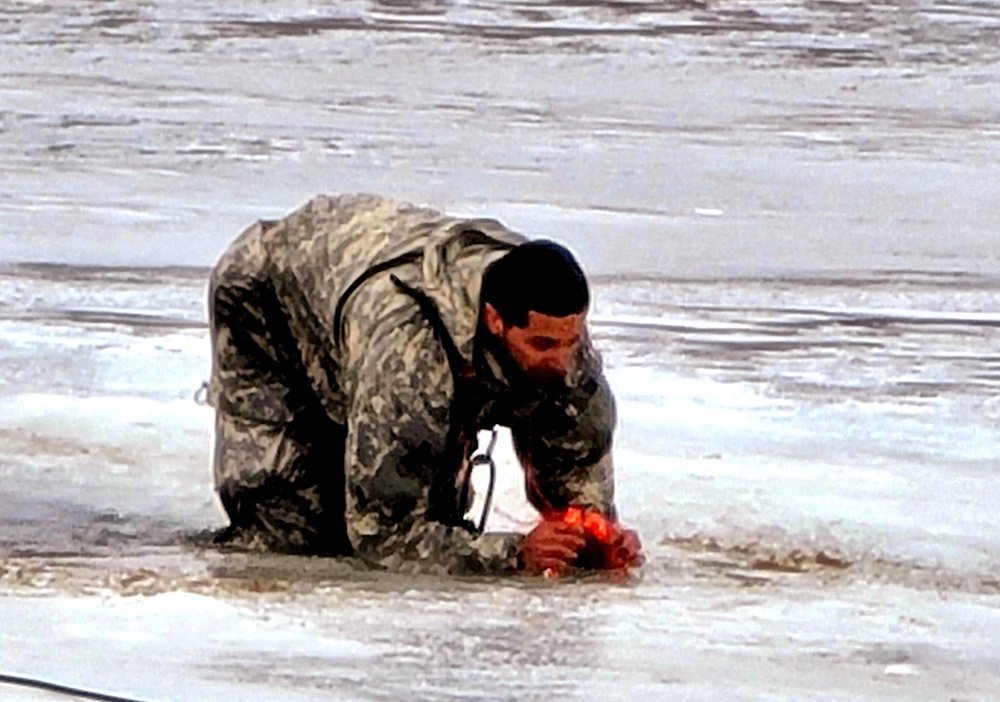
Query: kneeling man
[359,344]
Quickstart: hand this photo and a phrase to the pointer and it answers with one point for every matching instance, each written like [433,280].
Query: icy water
[790,211]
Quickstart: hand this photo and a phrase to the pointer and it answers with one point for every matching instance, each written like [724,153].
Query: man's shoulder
[326,213]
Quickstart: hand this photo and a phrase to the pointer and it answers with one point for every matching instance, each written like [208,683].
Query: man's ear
[493,320]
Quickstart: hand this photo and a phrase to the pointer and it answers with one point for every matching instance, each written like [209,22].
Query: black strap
[483,459]
[466,237]
[462,414]
[462,427]
[338,315]
[75,692]
[461,371]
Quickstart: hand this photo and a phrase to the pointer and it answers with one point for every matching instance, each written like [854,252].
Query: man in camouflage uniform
[353,364]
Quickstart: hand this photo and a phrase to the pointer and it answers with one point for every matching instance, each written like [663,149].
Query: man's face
[546,348]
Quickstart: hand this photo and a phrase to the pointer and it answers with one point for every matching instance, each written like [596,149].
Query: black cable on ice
[61,689]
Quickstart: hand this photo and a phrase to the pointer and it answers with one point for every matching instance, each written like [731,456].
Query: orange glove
[609,545]
[551,547]
[577,538]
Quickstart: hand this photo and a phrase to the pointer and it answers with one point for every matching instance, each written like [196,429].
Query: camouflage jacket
[378,367]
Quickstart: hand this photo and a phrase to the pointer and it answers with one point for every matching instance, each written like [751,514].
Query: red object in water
[593,522]
[597,526]
[599,552]
[572,516]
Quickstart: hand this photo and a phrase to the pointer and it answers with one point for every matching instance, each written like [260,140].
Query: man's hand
[551,547]
[579,539]
[623,549]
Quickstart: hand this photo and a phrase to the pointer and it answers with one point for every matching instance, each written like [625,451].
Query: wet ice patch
[112,471]
[146,429]
[170,646]
[901,669]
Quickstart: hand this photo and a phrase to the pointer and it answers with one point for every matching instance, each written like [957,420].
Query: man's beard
[545,377]
[542,377]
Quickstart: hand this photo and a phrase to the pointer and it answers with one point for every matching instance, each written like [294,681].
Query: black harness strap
[462,427]
[466,237]
[338,315]
[461,371]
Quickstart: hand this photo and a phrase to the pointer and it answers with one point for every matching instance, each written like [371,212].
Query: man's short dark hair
[538,275]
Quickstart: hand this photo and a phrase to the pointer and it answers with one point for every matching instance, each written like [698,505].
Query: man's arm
[399,475]
[565,448]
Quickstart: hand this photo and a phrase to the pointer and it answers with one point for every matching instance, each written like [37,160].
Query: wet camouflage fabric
[335,441]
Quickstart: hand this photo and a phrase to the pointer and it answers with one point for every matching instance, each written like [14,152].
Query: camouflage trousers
[279,458]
